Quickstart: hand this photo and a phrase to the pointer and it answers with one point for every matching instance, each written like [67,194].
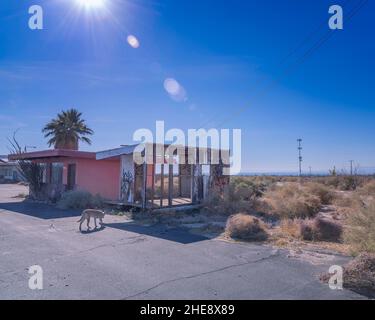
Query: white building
[8,170]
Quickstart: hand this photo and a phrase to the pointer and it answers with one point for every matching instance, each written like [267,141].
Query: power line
[293,66]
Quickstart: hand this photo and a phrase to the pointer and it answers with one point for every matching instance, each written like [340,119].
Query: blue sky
[228,55]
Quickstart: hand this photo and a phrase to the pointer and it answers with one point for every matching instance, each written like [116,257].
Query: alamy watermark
[336,21]
[36,278]
[197,147]
[36,19]
[336,281]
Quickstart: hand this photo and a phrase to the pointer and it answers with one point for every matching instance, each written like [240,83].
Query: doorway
[71,176]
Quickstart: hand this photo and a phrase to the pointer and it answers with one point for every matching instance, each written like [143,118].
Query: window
[57,173]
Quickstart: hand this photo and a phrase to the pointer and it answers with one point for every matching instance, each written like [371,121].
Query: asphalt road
[127,261]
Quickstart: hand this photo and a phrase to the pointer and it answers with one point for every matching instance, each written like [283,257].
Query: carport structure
[165,179]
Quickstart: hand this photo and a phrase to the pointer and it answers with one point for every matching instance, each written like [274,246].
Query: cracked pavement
[126,261]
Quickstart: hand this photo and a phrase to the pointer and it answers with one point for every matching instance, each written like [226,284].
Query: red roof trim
[53,154]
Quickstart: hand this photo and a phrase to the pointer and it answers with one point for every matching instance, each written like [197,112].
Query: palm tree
[67,130]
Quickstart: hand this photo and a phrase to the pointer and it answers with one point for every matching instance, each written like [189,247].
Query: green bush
[80,200]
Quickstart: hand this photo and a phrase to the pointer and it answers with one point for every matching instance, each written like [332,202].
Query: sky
[258,66]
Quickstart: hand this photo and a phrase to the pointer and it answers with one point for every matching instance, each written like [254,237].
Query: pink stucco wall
[98,177]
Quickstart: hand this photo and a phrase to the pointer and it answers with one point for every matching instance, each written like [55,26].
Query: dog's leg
[96,227]
[88,223]
[80,226]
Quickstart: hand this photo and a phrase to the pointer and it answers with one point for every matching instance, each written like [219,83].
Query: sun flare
[91,4]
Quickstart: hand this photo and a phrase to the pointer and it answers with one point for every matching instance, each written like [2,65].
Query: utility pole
[351,166]
[310,170]
[300,156]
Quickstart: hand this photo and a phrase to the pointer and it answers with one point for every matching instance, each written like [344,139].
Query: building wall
[127,165]
[97,177]
[9,171]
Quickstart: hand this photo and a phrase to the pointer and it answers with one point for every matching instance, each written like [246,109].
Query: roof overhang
[116,153]
[56,153]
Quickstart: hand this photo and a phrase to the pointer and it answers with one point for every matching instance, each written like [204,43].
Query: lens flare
[175,90]
[133,41]
[89,4]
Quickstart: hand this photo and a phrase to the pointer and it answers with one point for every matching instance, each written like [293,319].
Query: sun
[91,4]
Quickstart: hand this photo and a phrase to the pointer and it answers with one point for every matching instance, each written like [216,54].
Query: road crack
[271,256]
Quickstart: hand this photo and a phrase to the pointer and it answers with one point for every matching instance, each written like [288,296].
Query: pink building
[115,176]
[76,170]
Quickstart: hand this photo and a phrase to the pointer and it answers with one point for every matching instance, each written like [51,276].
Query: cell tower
[300,156]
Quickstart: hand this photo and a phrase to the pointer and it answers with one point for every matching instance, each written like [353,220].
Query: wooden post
[179,181]
[153,175]
[144,195]
[192,182]
[170,185]
[162,186]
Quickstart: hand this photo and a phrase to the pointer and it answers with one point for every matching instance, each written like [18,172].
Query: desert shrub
[291,227]
[360,232]
[228,202]
[368,189]
[79,200]
[320,229]
[325,194]
[359,275]
[291,201]
[330,181]
[246,227]
[247,188]
[348,183]
[343,182]
[351,201]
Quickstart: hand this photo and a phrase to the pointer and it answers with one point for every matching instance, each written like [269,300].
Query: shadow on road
[39,210]
[159,231]
[92,230]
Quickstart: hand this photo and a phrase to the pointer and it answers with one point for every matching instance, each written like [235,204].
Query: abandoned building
[163,182]
[9,171]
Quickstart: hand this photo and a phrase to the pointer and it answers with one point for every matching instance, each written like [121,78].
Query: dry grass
[292,201]
[245,227]
[230,202]
[324,193]
[320,229]
[291,227]
[359,275]
[360,231]
[317,229]
[368,189]
[296,202]
[80,200]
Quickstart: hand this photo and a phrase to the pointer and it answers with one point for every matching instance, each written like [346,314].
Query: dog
[88,214]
